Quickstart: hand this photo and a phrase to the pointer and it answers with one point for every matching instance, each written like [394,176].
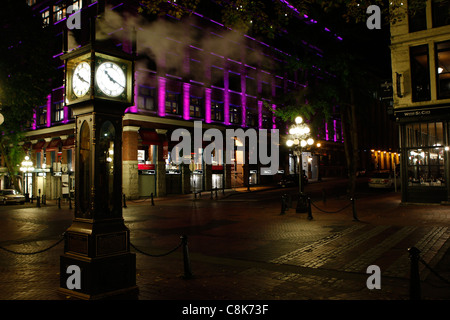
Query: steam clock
[99,85]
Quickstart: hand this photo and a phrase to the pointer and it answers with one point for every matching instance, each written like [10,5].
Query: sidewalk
[241,248]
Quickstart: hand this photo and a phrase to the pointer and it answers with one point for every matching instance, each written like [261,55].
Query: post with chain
[309,209]
[124,201]
[186,260]
[355,217]
[414,277]
[151,197]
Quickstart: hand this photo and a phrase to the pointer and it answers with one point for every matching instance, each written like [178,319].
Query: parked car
[383,179]
[291,180]
[11,196]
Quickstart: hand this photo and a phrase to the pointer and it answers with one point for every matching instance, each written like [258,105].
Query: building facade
[195,70]
[420,49]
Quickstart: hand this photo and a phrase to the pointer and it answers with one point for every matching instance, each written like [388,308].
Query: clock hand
[82,79]
[112,79]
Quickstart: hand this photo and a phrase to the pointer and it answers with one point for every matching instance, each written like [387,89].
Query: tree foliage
[25,75]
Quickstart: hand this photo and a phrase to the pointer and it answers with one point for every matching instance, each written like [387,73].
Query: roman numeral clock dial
[81,81]
[110,79]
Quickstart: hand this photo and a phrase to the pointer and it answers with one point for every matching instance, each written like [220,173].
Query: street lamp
[27,166]
[300,138]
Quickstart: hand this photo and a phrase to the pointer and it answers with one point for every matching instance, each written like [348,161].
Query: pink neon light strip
[207,105]
[161,96]
[186,89]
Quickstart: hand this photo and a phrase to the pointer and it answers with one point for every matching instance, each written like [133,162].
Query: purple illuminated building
[194,69]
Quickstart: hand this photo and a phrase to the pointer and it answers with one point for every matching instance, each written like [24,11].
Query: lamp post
[300,134]
[27,164]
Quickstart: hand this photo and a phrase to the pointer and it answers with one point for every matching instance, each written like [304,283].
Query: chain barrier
[433,271]
[36,252]
[312,203]
[186,260]
[157,255]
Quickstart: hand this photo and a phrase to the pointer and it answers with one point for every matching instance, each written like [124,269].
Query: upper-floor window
[251,120]
[146,98]
[76,5]
[417,20]
[41,116]
[441,13]
[196,107]
[420,73]
[216,110]
[443,69]
[235,114]
[59,12]
[58,111]
[173,105]
[45,17]
[234,81]
[31,2]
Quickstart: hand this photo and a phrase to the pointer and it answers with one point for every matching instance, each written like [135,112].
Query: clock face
[81,81]
[110,79]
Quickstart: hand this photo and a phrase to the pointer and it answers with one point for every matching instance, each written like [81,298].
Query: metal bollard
[414,277]
[124,201]
[211,194]
[70,202]
[44,199]
[38,201]
[355,217]
[59,202]
[216,193]
[151,196]
[186,261]
[309,209]
[283,204]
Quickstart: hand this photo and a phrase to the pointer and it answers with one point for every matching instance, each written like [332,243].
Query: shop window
[443,69]
[146,98]
[420,73]
[441,13]
[425,154]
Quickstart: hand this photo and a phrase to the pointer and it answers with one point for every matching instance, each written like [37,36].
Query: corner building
[420,50]
[193,70]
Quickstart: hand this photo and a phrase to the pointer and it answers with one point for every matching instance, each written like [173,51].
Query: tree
[25,76]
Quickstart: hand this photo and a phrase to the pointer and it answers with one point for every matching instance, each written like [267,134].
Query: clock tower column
[97,262]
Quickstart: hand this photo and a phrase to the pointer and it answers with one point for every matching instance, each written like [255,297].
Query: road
[241,247]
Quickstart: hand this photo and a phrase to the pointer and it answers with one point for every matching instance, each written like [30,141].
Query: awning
[69,143]
[39,145]
[149,137]
[53,145]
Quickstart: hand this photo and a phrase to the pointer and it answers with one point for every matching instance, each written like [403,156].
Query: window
[250,86]
[420,73]
[266,123]
[45,18]
[217,76]
[196,107]
[235,114]
[234,81]
[443,69]
[417,21]
[425,152]
[76,5]
[31,2]
[251,119]
[59,12]
[41,116]
[58,111]
[146,98]
[173,103]
[441,13]
[216,110]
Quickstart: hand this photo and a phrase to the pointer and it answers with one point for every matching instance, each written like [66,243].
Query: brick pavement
[246,250]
